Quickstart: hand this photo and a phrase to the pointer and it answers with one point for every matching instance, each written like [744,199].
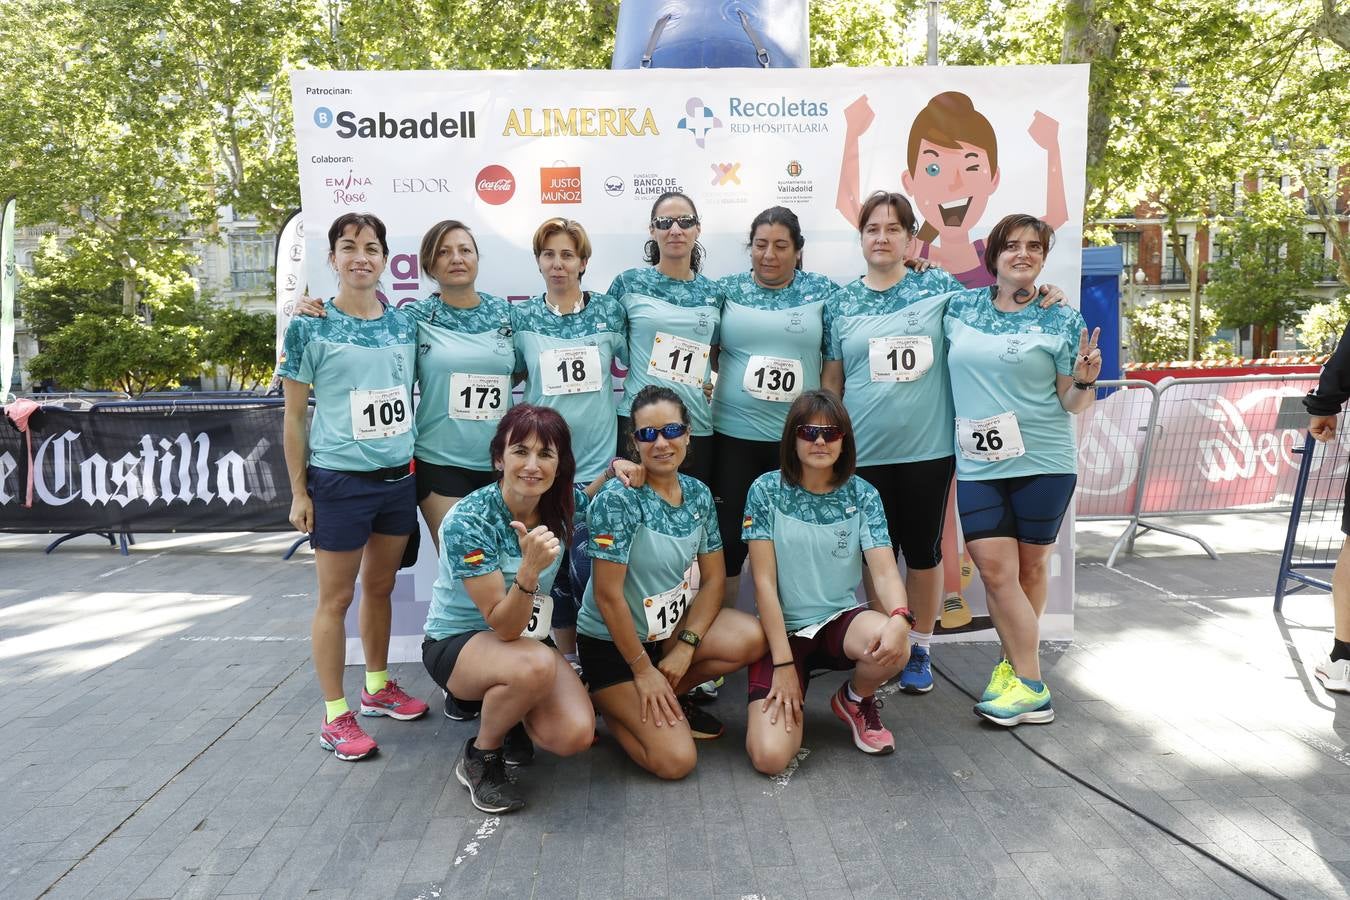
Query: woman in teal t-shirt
[674,314]
[810,526]
[1018,371]
[646,633]
[771,351]
[352,490]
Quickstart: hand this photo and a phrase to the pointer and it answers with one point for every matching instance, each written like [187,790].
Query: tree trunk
[1265,338]
[1334,26]
[1088,39]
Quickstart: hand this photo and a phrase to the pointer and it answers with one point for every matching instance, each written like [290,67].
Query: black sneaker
[454,711]
[704,725]
[483,772]
[517,748]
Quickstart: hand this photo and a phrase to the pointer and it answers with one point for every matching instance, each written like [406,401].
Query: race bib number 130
[774,378]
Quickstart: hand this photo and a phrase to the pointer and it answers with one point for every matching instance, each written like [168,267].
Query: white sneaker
[1335,676]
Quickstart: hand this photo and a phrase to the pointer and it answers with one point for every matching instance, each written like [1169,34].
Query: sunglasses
[669,432]
[810,433]
[663,223]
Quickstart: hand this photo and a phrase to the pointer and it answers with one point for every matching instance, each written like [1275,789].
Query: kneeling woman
[809,526]
[500,550]
[645,636]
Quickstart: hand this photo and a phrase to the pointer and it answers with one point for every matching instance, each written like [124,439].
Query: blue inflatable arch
[714,34]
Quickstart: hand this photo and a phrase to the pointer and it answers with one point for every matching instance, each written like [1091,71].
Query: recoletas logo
[382,125]
[698,120]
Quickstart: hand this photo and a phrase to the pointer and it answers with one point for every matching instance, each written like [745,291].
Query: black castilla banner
[147,467]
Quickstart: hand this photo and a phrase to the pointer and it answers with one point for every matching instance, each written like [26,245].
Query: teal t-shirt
[672,326]
[1002,363]
[477,539]
[895,368]
[818,542]
[658,543]
[772,346]
[465,359]
[567,362]
[362,371]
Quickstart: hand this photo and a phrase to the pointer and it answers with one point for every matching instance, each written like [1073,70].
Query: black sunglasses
[810,433]
[669,432]
[663,223]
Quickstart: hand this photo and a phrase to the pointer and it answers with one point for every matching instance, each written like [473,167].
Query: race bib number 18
[570,370]
[479,397]
[380,413]
[990,440]
[899,358]
[774,378]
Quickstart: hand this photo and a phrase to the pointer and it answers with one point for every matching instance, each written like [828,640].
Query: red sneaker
[863,720]
[392,701]
[345,738]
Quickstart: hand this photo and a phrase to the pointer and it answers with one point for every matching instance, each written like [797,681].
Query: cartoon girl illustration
[952,158]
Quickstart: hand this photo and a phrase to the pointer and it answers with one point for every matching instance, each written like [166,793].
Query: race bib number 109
[380,413]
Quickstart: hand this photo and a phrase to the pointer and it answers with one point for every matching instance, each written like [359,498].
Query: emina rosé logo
[495,184]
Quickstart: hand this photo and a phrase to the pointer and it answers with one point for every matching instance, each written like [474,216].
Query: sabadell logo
[495,185]
[383,125]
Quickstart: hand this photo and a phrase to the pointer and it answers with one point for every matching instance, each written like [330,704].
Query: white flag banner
[7,288]
[502,151]
[290,272]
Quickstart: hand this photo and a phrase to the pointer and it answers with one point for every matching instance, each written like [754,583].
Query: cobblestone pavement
[163,743]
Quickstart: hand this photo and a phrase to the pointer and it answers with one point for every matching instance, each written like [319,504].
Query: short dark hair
[557,506]
[1002,233]
[360,220]
[779,215]
[898,202]
[650,395]
[651,251]
[806,407]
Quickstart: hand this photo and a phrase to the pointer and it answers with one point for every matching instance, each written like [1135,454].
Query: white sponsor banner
[502,151]
[290,274]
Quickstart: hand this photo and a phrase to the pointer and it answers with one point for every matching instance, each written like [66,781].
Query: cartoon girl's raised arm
[858,118]
[1045,132]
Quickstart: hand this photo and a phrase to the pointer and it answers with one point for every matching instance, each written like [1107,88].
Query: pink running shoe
[392,701]
[345,738]
[862,718]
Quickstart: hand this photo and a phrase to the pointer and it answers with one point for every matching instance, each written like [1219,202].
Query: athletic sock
[1036,686]
[334,708]
[1339,650]
[852,695]
[375,681]
[920,639]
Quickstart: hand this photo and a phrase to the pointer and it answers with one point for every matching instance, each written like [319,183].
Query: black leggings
[914,497]
[736,464]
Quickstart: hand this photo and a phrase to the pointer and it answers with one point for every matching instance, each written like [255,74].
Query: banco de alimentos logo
[698,120]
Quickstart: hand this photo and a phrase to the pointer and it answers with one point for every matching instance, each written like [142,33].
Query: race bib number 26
[990,440]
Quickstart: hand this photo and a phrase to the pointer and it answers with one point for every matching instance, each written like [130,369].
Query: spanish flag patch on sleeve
[474,557]
[747,522]
[604,541]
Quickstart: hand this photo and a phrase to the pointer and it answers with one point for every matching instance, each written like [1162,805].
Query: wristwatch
[904,611]
[693,640]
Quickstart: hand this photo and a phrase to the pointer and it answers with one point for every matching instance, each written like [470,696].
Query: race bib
[380,413]
[541,618]
[811,631]
[899,358]
[570,370]
[991,439]
[678,359]
[479,397]
[774,378]
[664,612]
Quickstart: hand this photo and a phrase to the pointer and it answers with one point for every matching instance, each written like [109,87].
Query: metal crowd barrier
[1187,447]
[1314,539]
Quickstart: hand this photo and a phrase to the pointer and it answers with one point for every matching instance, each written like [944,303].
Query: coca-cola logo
[495,185]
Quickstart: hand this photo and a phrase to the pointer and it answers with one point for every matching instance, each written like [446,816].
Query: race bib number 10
[479,397]
[990,440]
[774,378]
[380,413]
[570,370]
[899,358]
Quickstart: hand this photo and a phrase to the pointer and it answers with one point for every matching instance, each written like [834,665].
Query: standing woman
[566,340]
[809,526]
[674,315]
[500,552]
[1018,371]
[772,343]
[351,486]
[644,640]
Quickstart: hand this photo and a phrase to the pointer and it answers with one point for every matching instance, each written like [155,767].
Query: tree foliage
[1322,324]
[1159,330]
[243,343]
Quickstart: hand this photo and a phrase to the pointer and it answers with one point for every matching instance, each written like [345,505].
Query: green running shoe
[999,681]
[1018,704]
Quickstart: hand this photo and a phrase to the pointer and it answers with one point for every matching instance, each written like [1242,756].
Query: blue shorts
[348,508]
[1029,508]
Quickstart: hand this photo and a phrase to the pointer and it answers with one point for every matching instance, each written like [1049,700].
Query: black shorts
[1029,508]
[739,462]
[697,462]
[604,666]
[440,656]
[349,508]
[823,650]
[450,481]
[914,498]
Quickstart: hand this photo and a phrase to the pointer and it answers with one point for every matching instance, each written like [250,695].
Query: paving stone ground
[157,747]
